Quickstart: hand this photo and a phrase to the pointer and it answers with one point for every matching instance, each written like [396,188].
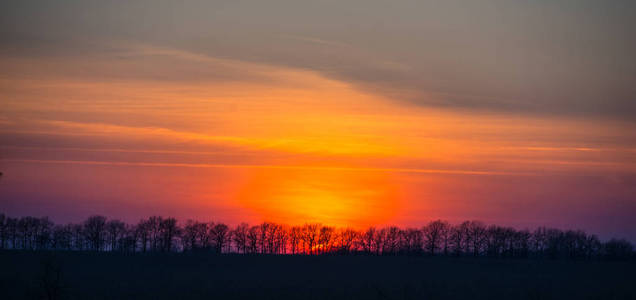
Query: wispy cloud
[290,167]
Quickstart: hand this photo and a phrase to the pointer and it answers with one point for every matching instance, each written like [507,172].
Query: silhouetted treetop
[159,234]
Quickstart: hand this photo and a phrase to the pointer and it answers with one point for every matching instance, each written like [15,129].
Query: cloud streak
[553,58]
[284,167]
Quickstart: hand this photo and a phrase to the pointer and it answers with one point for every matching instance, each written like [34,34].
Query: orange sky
[143,127]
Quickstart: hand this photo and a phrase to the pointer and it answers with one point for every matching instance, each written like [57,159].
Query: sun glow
[329,197]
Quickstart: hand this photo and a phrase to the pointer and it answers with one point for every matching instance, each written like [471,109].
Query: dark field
[82,275]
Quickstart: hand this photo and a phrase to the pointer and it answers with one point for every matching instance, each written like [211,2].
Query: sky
[348,113]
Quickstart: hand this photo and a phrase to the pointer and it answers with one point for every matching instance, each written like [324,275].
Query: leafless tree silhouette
[240,237]
[219,234]
[115,229]
[94,229]
[434,234]
[470,238]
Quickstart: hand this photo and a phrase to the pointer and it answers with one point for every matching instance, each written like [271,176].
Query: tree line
[440,238]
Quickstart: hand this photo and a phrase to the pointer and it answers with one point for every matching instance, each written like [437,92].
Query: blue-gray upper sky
[547,57]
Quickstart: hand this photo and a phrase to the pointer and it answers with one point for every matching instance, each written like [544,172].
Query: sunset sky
[348,113]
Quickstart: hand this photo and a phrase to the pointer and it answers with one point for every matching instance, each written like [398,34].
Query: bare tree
[252,239]
[168,232]
[378,241]
[271,237]
[63,237]
[346,240]
[262,236]
[521,243]
[433,235]
[94,229]
[114,230]
[368,240]
[456,239]
[143,232]
[412,240]
[219,234]
[391,240]
[325,237]
[153,225]
[12,231]
[240,237]
[129,240]
[539,241]
[593,247]
[618,249]
[4,232]
[189,237]
[476,232]
[309,237]
[43,231]
[295,237]
[554,238]
[79,238]
[282,237]
[203,235]
[26,231]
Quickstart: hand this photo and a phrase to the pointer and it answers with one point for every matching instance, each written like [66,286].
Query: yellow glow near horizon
[324,196]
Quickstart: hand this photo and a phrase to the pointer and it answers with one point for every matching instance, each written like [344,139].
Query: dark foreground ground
[29,275]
